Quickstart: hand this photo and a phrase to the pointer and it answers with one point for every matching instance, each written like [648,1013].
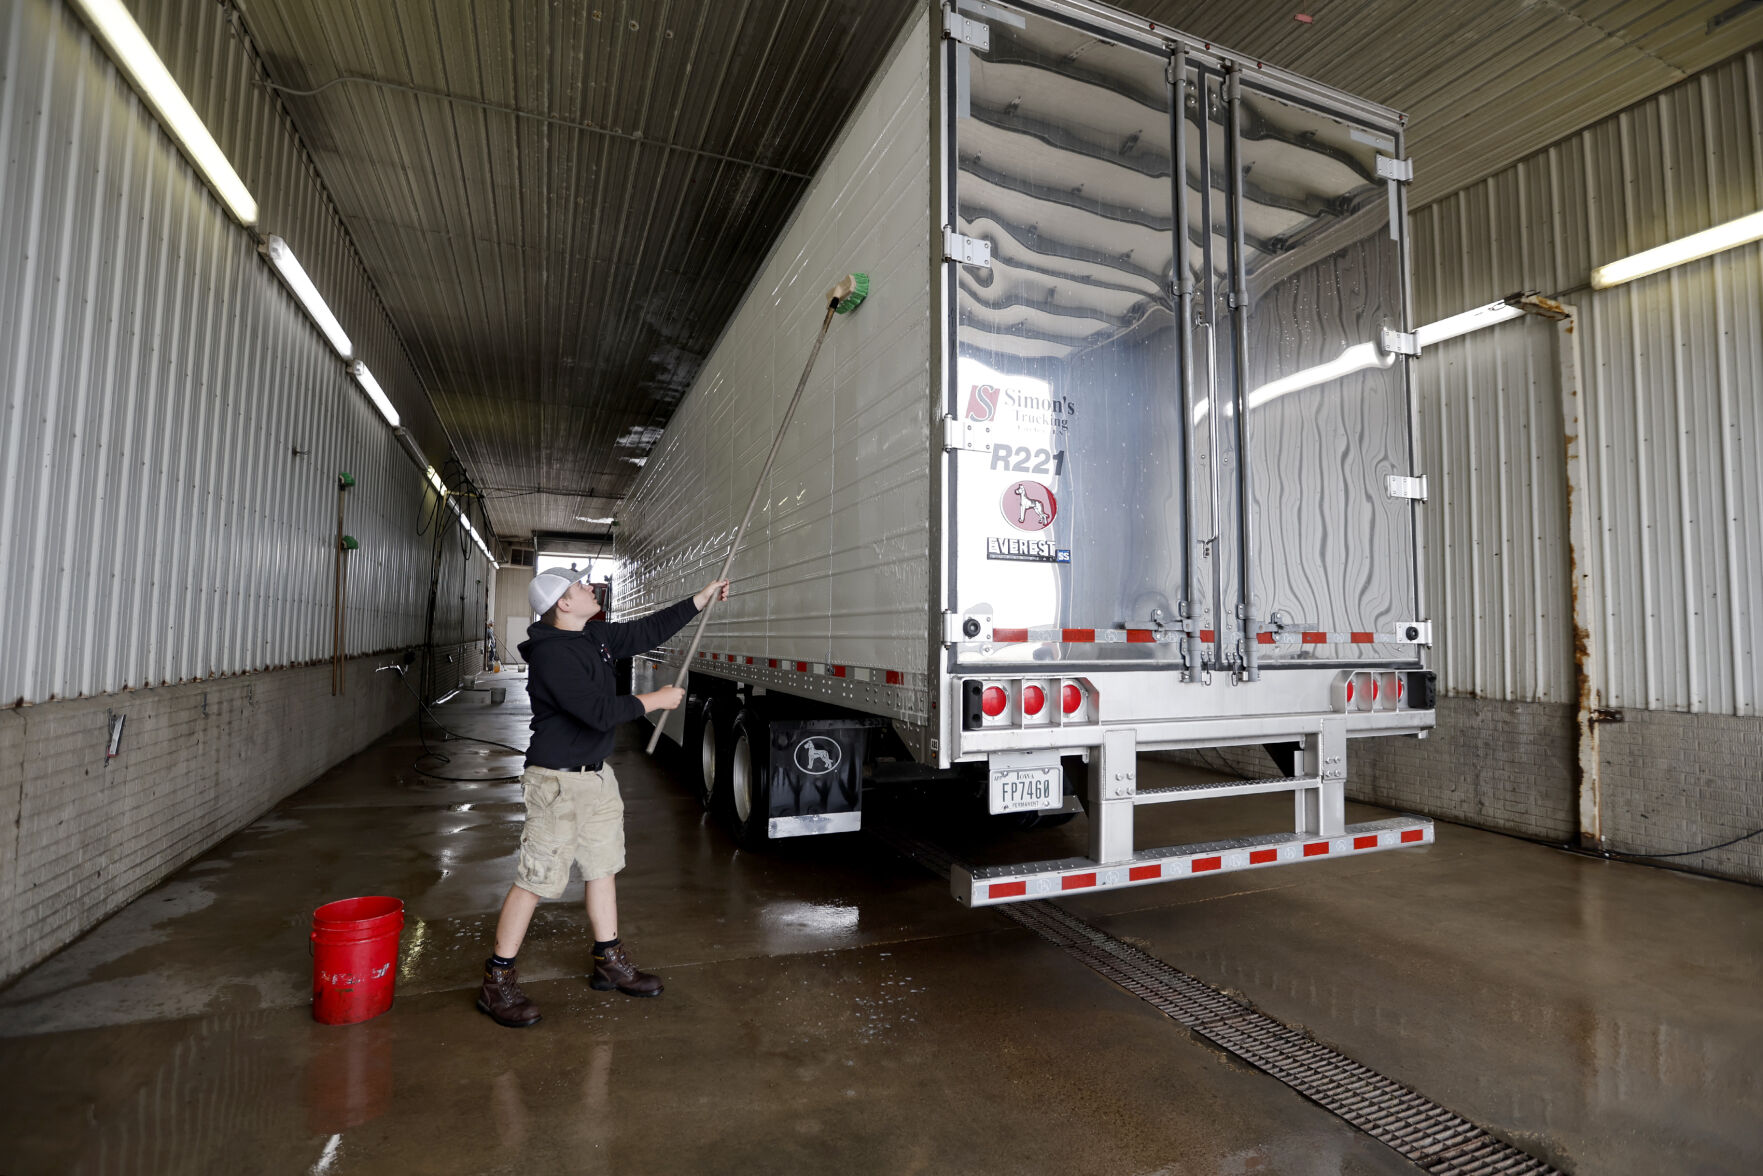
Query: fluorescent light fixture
[131,50]
[477,539]
[453,505]
[374,392]
[435,481]
[1469,320]
[1697,245]
[289,267]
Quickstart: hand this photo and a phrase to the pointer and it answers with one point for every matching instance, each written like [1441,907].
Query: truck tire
[700,724]
[746,801]
[711,751]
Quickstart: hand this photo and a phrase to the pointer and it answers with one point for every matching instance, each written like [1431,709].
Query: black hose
[422,708]
[1684,853]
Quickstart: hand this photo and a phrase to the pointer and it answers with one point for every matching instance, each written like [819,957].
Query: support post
[1114,774]
[1322,811]
[1583,582]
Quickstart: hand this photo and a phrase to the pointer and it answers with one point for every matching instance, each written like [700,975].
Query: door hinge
[1391,168]
[971,436]
[1401,487]
[1399,342]
[967,31]
[966,250]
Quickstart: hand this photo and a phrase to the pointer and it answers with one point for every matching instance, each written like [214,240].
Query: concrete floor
[830,1008]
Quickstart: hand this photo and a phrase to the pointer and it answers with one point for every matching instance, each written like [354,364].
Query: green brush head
[849,294]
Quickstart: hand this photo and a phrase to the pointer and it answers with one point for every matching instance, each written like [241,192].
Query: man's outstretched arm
[629,638]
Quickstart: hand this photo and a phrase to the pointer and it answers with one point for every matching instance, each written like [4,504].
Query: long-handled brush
[843,298]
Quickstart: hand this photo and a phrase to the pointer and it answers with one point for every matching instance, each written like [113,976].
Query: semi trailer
[1118,456]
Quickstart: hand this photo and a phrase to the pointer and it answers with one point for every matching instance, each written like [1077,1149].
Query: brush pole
[734,545]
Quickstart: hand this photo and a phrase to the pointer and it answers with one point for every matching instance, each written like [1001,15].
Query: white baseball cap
[549,586]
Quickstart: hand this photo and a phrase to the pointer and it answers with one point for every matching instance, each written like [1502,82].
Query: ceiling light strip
[289,267]
[134,54]
[1730,235]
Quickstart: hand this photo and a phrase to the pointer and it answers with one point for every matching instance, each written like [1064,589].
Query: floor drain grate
[1436,1139]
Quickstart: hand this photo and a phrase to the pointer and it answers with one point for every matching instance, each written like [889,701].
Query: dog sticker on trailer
[1029,506]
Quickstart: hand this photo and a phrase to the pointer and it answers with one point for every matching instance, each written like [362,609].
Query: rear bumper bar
[990,885]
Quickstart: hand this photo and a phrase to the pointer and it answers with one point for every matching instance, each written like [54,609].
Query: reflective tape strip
[1357,637]
[1008,636]
[850,673]
[1086,636]
[987,885]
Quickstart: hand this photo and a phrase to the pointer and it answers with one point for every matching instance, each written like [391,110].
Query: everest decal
[1029,506]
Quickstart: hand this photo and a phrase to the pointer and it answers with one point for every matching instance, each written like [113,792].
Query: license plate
[1018,789]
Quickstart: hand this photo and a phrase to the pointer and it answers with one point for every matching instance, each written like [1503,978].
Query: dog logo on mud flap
[1029,506]
[816,756]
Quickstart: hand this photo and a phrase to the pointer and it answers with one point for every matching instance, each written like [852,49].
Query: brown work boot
[504,1001]
[615,970]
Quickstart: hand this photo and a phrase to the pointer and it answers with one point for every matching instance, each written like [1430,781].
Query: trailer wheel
[691,760]
[709,748]
[748,797]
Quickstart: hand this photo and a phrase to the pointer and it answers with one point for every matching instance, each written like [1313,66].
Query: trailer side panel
[834,570]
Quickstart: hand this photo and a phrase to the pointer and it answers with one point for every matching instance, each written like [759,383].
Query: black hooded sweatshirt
[573,688]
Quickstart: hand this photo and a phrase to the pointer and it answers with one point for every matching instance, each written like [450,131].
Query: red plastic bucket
[354,958]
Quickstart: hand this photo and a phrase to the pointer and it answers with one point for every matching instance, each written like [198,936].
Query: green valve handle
[349,543]
[345,480]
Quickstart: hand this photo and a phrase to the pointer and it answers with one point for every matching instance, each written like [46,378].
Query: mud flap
[816,770]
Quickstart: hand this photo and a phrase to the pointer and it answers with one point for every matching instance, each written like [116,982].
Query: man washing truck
[574,814]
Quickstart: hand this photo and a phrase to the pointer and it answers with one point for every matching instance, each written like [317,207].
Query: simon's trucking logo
[986,401]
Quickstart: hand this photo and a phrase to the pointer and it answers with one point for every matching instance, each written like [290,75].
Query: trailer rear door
[1175,406]
[1069,488]
[1319,279]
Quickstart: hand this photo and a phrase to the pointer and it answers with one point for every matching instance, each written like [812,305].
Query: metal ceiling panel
[563,203]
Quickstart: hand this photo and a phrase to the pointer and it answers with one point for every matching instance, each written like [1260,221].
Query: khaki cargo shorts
[570,817]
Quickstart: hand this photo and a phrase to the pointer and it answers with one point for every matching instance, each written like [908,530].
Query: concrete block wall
[1671,781]
[1506,766]
[83,835]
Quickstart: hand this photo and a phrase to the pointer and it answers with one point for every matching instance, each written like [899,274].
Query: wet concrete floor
[830,1008]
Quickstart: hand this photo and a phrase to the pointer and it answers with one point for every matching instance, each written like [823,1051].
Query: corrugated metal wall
[1673,389]
[174,424]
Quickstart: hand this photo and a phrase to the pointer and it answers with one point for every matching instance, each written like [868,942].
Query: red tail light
[992,701]
[1033,698]
[1071,698]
